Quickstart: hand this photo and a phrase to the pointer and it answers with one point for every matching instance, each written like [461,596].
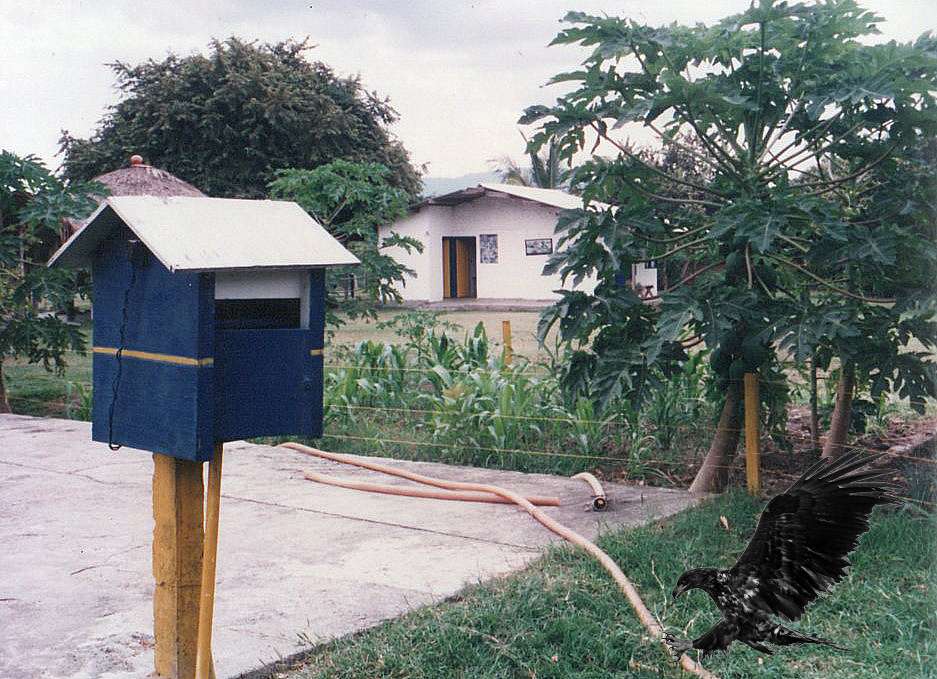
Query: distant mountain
[437,186]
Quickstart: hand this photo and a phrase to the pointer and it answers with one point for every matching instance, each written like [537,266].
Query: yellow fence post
[506,337]
[752,435]
[207,606]
[177,564]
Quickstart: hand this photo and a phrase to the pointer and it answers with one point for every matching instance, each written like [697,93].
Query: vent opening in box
[257,314]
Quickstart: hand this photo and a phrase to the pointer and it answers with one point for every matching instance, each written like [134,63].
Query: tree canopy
[34,205]
[351,200]
[809,229]
[227,121]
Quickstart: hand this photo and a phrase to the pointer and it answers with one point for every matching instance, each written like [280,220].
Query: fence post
[752,436]
[506,338]
[178,507]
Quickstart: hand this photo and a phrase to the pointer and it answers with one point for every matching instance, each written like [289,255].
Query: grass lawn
[523,329]
[563,616]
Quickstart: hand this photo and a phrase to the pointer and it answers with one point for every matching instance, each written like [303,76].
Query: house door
[458,267]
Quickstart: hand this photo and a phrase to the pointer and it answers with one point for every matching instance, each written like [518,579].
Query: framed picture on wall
[488,248]
[539,246]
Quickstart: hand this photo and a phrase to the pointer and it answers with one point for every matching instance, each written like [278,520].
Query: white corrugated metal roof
[551,197]
[211,234]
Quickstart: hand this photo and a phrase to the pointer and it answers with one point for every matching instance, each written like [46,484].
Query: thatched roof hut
[140,179]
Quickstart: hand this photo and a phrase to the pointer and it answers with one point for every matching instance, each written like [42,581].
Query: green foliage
[33,206]
[228,120]
[351,200]
[457,401]
[78,401]
[545,172]
[564,617]
[791,207]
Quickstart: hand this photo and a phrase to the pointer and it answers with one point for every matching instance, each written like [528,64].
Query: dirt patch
[909,447]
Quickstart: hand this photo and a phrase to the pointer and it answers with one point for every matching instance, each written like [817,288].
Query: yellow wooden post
[752,435]
[209,560]
[177,564]
[506,337]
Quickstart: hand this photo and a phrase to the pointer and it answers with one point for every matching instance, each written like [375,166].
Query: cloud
[459,72]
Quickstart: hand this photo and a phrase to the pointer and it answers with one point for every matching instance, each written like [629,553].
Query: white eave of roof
[550,197]
[188,233]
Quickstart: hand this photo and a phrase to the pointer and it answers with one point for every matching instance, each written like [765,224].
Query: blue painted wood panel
[265,384]
[157,408]
[160,406]
[317,338]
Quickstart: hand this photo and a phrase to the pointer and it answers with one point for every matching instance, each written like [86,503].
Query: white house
[490,241]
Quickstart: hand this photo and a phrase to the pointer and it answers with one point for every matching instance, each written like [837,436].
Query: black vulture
[798,552]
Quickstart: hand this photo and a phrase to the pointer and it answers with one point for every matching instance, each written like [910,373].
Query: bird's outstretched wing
[800,547]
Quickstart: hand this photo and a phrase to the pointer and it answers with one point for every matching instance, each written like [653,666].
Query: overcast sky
[459,72]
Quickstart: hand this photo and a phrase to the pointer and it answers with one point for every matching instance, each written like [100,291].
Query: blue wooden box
[208,320]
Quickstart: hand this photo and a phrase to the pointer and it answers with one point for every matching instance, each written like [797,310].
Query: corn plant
[585,430]
[78,400]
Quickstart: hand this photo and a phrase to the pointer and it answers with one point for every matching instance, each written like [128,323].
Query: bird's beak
[677,591]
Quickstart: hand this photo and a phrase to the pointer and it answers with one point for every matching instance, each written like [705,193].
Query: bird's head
[694,578]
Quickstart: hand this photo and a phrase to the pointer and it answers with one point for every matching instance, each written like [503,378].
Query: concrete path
[298,562]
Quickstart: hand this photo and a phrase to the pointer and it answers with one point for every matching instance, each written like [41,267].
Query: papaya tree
[34,205]
[794,116]
[351,200]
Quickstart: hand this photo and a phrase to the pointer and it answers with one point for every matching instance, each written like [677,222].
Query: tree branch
[831,286]
[679,201]
[684,281]
[624,149]
[832,184]
[674,239]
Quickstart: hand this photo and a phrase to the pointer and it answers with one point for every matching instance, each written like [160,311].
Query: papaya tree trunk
[714,472]
[4,401]
[814,407]
[835,444]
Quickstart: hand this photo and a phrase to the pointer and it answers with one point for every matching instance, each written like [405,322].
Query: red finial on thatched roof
[136,160]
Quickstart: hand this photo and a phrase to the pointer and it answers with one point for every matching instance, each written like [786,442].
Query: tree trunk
[814,409]
[714,472]
[4,401]
[835,444]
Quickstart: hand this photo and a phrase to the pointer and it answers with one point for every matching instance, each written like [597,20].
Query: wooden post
[752,437]
[506,337]
[814,408]
[209,560]
[177,564]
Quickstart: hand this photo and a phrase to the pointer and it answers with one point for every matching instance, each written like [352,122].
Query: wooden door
[464,253]
[446,267]
[458,266]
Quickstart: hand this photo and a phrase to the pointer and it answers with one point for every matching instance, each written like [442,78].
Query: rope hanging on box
[125,314]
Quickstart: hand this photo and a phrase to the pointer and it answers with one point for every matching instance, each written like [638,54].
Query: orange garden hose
[431,494]
[624,584]
[599,501]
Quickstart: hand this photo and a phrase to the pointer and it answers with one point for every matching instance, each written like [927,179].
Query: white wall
[515,275]
[643,275]
[266,285]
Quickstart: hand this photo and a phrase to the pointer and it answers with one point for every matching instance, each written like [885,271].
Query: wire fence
[374,428]
[610,422]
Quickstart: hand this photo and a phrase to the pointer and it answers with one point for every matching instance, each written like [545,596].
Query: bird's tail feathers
[785,636]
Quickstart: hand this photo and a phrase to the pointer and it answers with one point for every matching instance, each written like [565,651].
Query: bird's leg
[757,646]
[677,646]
